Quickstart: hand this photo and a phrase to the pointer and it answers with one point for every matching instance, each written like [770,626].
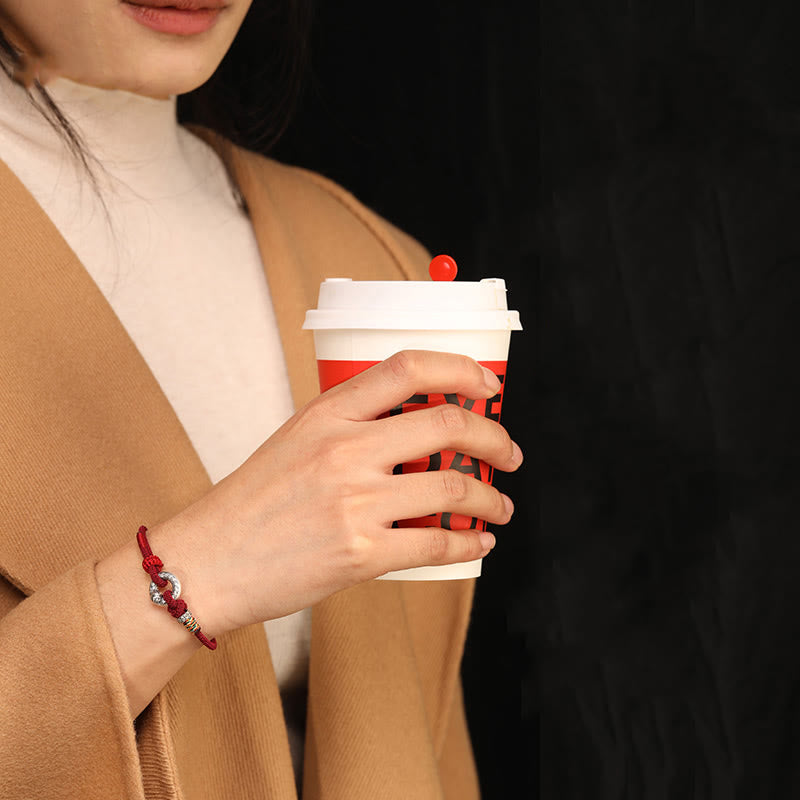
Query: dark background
[633,170]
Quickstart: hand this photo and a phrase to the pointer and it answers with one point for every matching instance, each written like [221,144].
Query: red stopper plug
[443,268]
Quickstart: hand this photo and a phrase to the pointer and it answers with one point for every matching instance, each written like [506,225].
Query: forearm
[151,646]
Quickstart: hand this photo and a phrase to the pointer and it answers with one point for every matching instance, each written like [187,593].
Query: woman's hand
[310,513]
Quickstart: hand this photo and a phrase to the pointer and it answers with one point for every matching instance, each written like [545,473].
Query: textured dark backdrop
[633,170]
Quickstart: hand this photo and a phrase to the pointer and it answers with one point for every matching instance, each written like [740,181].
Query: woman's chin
[158,87]
[154,71]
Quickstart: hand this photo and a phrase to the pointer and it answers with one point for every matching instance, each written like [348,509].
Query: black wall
[633,170]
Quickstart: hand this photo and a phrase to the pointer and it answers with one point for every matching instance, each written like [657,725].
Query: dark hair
[250,98]
[9,62]
[254,91]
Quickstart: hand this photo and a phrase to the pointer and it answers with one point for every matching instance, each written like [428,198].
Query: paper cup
[360,323]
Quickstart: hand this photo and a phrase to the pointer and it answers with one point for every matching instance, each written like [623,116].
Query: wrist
[176,544]
[150,646]
[165,590]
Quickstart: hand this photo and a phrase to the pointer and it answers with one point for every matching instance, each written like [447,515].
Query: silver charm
[155,592]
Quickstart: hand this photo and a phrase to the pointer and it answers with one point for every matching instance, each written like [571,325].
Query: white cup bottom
[447,572]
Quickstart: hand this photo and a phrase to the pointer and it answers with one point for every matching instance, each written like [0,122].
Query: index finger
[390,382]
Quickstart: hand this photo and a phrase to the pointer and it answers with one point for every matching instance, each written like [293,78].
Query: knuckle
[454,485]
[351,496]
[474,547]
[344,452]
[324,455]
[451,419]
[470,368]
[438,546]
[499,441]
[508,444]
[401,366]
[475,368]
[504,443]
[339,453]
[502,514]
[325,468]
[355,547]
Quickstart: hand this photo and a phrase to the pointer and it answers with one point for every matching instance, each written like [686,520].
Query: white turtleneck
[177,261]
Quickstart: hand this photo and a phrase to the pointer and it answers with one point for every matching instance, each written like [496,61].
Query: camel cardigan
[90,449]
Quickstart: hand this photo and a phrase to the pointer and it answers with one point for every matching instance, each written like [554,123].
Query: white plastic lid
[345,304]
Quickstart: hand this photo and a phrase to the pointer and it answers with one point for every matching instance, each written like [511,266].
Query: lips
[175,17]
[180,5]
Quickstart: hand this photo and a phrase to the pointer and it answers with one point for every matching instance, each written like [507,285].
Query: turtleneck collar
[131,135]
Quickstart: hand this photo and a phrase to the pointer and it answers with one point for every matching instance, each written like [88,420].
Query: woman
[149,376]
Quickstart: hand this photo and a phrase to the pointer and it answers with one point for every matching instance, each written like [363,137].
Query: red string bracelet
[171,597]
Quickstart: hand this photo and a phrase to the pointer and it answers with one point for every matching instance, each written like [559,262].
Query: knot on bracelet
[177,608]
[152,566]
[175,605]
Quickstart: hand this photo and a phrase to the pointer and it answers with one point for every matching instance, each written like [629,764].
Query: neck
[121,130]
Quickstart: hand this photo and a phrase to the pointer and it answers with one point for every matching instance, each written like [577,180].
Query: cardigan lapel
[95,440]
[99,450]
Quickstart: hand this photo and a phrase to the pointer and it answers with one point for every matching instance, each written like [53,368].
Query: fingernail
[516,455]
[491,380]
[487,540]
[509,505]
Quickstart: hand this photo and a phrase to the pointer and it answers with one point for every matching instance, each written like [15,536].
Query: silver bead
[155,592]
[189,622]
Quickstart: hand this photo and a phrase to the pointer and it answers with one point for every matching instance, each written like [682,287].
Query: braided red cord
[152,565]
